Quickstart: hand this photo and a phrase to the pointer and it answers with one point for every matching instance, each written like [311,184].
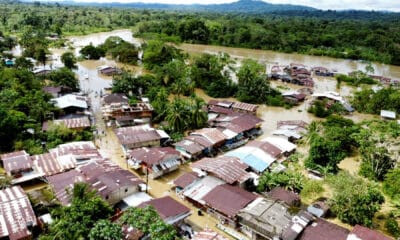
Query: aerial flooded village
[242,120]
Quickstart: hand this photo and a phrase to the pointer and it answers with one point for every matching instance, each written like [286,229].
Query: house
[133,200]
[208,234]
[193,148]
[42,71]
[333,97]
[385,114]
[240,124]
[264,218]
[76,153]
[20,167]
[155,161]
[109,71]
[321,229]
[170,210]
[291,130]
[118,111]
[57,91]
[297,225]
[140,136]
[322,71]
[213,135]
[195,192]
[284,145]
[111,182]
[229,169]
[259,155]
[225,201]
[17,218]
[293,97]
[362,233]
[76,123]
[184,181]
[71,103]
[225,107]
[290,198]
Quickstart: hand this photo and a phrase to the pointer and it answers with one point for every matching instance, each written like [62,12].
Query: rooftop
[137,134]
[115,98]
[228,199]
[72,123]
[321,229]
[186,179]
[289,197]
[16,214]
[167,207]
[363,233]
[152,156]
[70,100]
[208,234]
[229,169]
[16,161]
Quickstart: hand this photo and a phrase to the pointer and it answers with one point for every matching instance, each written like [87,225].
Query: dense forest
[372,36]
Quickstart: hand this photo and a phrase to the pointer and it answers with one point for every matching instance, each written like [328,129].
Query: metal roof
[364,233]
[252,156]
[208,234]
[388,114]
[151,156]
[229,169]
[137,134]
[167,207]
[200,188]
[212,134]
[228,199]
[70,100]
[136,199]
[281,143]
[321,229]
[186,179]
[16,161]
[16,214]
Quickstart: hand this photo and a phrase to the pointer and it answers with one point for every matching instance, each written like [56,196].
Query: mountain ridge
[241,6]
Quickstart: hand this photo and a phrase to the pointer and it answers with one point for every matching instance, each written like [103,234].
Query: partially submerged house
[42,71]
[333,97]
[154,161]
[109,71]
[225,201]
[118,111]
[293,97]
[57,91]
[203,142]
[140,136]
[225,107]
[20,167]
[264,219]
[229,169]
[322,71]
[291,130]
[17,218]
[170,210]
[195,192]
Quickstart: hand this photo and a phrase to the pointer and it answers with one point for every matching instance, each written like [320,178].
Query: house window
[126,190]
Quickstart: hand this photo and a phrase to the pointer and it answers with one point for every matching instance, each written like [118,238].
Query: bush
[392,227]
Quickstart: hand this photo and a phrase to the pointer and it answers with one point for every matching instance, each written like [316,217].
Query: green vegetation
[391,184]
[289,179]
[147,220]
[355,201]
[69,60]
[330,142]
[64,77]
[322,109]
[74,221]
[355,79]
[120,50]
[92,52]
[370,36]
[369,101]
[105,230]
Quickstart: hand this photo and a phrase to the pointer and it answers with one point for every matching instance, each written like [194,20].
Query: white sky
[389,5]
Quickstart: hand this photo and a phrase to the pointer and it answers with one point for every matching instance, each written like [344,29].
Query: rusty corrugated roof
[229,169]
[16,214]
[208,234]
[16,161]
[167,207]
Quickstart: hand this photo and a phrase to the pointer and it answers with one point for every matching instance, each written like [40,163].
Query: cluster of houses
[118,111]
[294,73]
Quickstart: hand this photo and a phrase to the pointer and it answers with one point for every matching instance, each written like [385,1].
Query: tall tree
[69,60]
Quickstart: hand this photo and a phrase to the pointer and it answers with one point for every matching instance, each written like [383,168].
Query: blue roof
[250,159]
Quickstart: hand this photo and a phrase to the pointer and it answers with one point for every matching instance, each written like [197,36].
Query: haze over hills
[247,6]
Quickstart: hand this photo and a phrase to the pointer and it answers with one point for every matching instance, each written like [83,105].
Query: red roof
[167,207]
[266,147]
[186,179]
[136,134]
[48,164]
[16,214]
[363,233]
[228,200]
[289,197]
[152,156]
[16,161]
[229,169]
[321,229]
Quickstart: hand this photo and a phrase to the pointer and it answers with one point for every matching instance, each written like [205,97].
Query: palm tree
[198,116]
